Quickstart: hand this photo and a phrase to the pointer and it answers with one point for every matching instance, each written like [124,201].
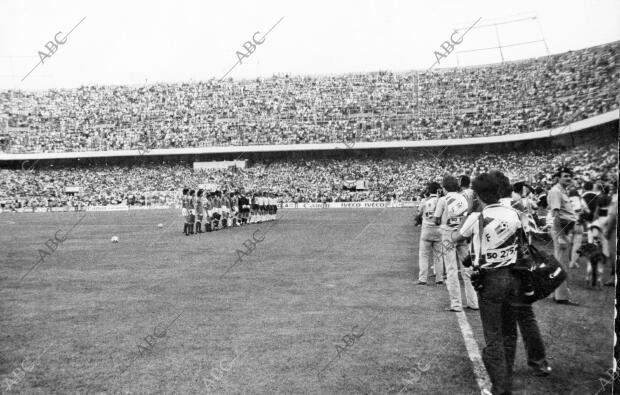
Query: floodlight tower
[497,23]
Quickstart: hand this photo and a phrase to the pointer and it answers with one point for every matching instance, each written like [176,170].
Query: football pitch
[317,302]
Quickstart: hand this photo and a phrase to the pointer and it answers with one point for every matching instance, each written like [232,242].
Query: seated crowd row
[400,177]
[500,99]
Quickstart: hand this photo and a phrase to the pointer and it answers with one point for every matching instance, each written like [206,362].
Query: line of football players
[219,210]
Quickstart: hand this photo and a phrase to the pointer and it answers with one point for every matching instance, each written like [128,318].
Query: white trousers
[430,253]
[453,255]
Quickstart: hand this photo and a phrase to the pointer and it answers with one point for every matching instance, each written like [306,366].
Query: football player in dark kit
[199,211]
[244,208]
[191,218]
[185,210]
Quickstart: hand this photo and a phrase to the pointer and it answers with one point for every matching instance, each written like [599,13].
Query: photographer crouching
[495,236]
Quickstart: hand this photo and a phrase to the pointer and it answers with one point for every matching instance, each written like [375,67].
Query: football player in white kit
[273,206]
[208,206]
[261,206]
[225,210]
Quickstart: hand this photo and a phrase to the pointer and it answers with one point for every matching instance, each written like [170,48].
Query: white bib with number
[457,209]
[429,210]
[497,255]
[455,221]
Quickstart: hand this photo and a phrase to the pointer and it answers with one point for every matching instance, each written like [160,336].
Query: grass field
[269,324]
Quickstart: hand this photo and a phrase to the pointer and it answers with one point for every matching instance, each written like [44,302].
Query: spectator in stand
[399,176]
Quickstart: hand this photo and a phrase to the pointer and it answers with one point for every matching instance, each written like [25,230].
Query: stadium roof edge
[138,85]
[541,134]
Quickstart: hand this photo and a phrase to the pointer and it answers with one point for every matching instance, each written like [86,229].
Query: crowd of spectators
[507,98]
[399,176]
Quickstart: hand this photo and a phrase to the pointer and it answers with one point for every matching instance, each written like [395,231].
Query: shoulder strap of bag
[521,233]
[476,262]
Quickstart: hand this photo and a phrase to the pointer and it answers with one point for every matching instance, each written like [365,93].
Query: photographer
[495,241]
[450,213]
[524,313]
[430,237]
[564,219]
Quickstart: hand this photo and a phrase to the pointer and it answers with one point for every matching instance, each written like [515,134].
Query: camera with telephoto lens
[476,280]
[467,262]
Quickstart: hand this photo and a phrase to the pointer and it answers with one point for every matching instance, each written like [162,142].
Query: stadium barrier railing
[320,205]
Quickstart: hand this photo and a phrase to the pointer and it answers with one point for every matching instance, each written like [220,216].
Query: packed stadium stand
[456,104]
[499,99]
[398,176]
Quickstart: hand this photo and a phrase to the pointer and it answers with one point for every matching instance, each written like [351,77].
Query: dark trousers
[499,324]
[534,346]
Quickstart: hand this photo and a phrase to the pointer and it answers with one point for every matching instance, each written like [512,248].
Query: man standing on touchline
[564,219]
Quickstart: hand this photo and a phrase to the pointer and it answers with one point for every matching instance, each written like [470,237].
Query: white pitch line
[363,230]
[482,377]
[369,223]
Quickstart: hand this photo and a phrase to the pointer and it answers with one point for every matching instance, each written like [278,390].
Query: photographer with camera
[495,236]
[524,313]
[450,213]
[430,237]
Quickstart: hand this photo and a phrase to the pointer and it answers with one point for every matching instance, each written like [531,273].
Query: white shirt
[452,210]
[499,239]
[428,211]
[577,203]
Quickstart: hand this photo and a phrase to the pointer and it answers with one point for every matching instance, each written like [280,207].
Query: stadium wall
[281,205]
[356,205]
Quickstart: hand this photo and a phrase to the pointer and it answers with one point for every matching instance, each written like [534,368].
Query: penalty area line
[482,377]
